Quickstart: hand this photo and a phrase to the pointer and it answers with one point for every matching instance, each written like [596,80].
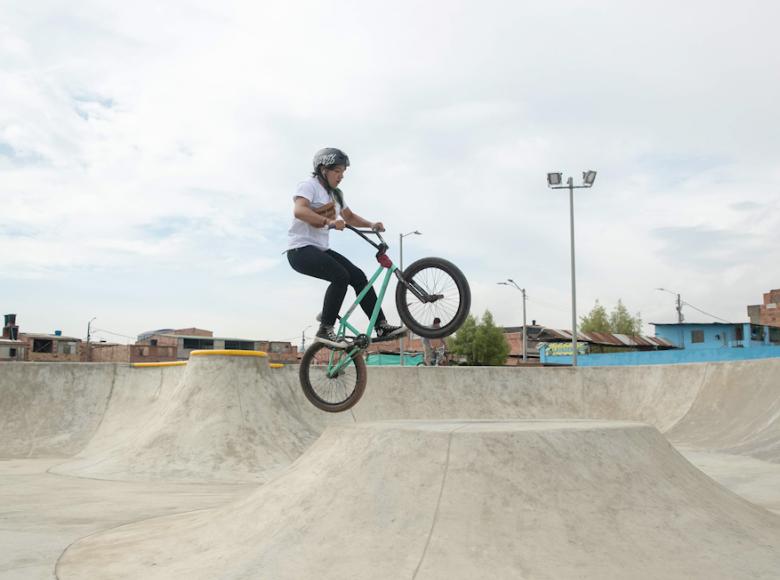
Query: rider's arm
[354,220]
[304,212]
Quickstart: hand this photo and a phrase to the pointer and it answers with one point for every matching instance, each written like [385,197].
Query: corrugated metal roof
[605,338]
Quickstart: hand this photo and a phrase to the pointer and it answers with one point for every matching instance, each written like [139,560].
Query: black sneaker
[386,330]
[326,335]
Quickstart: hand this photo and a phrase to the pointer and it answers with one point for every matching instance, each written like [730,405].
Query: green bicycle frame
[338,362]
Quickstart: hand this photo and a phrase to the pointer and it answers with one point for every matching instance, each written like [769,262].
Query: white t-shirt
[302,234]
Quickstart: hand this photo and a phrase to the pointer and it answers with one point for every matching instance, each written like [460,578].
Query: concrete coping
[178,363]
[498,425]
[253,353]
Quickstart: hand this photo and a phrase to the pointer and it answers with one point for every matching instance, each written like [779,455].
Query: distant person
[431,345]
[320,207]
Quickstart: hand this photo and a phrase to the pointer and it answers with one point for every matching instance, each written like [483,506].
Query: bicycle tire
[312,375]
[431,274]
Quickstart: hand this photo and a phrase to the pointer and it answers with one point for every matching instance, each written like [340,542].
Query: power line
[706,313]
[115,333]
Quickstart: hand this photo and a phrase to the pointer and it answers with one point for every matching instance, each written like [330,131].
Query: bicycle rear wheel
[441,280]
[338,392]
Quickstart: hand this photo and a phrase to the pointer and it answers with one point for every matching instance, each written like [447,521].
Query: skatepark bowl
[220,469]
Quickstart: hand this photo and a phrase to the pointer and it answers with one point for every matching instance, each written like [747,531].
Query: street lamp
[510,282]
[401,266]
[554,181]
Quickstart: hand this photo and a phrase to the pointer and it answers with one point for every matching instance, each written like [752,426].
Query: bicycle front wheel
[449,292]
[327,390]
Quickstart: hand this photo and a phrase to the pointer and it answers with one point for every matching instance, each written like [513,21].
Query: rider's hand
[336,224]
[378,227]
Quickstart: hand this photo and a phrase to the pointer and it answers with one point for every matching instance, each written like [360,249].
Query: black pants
[340,272]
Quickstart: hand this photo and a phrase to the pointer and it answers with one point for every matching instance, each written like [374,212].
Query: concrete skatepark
[220,468]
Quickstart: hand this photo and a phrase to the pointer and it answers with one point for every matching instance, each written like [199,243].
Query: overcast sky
[149,152]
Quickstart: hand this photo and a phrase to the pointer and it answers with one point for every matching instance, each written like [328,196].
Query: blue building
[695,342]
[718,334]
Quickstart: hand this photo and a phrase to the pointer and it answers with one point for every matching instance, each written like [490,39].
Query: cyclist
[320,207]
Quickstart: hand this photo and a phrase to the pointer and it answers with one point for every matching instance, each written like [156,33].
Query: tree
[619,320]
[482,344]
[596,320]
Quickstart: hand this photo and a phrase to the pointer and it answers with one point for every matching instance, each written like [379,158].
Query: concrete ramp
[224,418]
[736,411]
[460,500]
[51,410]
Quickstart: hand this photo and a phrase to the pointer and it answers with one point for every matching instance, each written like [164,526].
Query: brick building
[183,341]
[11,348]
[51,347]
[767,313]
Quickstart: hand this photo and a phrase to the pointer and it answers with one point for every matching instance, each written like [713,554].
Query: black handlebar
[381,246]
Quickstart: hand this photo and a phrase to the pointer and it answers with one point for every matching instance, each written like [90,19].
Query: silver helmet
[328,157]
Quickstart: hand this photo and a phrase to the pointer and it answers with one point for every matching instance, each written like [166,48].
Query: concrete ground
[85,449]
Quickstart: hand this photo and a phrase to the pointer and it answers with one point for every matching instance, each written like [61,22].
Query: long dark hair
[334,192]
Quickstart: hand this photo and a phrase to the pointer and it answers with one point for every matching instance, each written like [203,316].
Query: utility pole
[678,305]
[303,338]
[89,350]
[680,317]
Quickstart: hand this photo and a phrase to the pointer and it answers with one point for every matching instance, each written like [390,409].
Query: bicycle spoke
[434,281]
[335,389]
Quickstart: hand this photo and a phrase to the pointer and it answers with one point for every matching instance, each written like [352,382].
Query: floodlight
[588,177]
[553,179]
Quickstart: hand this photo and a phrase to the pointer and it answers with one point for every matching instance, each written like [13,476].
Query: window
[42,345]
[697,336]
[154,342]
[12,352]
[66,347]
[239,345]
[198,343]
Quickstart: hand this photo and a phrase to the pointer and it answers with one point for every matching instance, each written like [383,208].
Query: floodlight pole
[554,183]
[573,277]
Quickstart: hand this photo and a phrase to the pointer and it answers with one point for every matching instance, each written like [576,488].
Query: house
[768,312]
[709,335]
[11,348]
[35,347]
[51,347]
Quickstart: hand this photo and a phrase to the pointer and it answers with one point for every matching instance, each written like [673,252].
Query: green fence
[411,359]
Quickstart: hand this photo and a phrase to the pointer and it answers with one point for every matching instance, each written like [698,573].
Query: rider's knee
[359,281]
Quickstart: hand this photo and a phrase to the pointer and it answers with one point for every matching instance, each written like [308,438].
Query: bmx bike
[334,379]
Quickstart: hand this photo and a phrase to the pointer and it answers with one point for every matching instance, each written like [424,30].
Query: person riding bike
[319,207]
